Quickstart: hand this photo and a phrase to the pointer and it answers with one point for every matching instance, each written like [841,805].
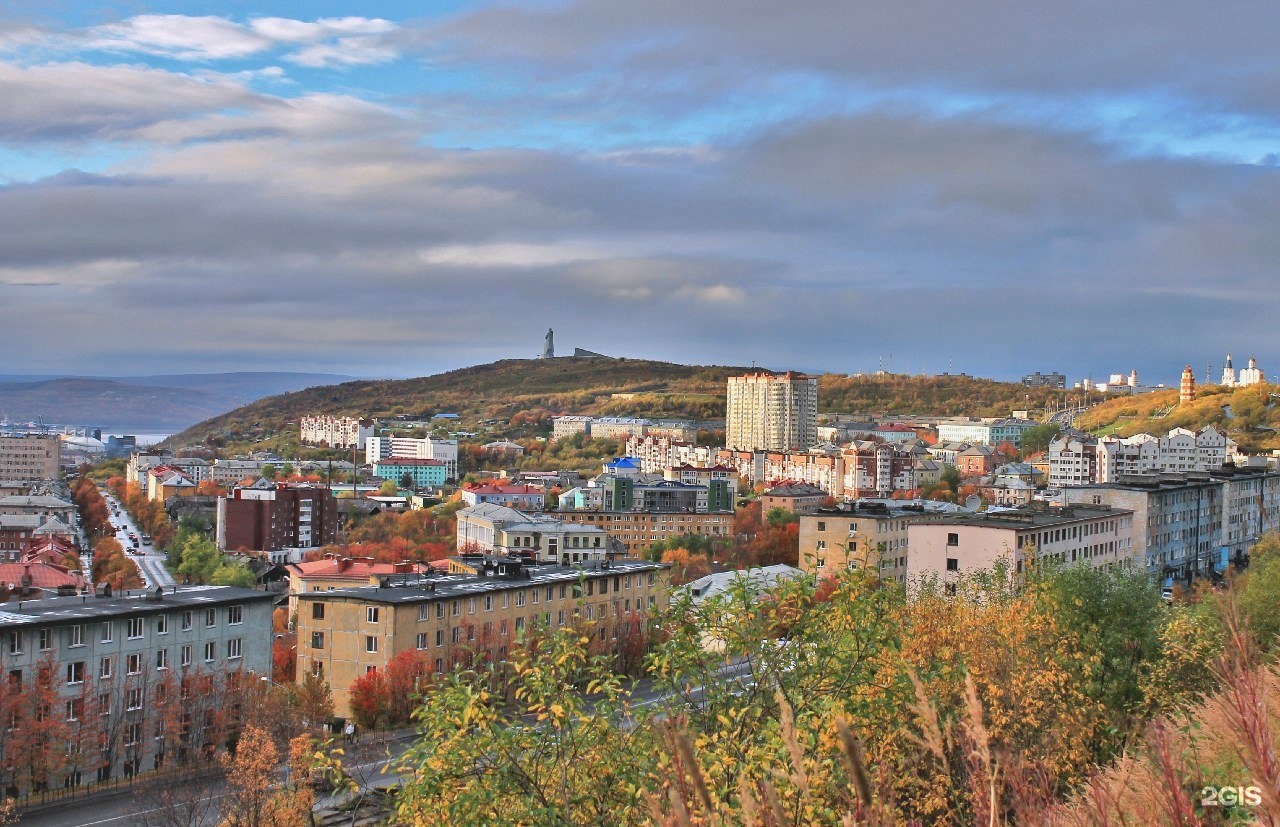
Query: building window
[520,598]
[235,614]
[422,640]
[233,648]
[186,621]
[104,669]
[371,614]
[75,672]
[108,630]
[133,700]
[77,635]
[439,611]
[953,539]
[317,611]
[439,637]
[210,618]
[186,655]
[456,634]
[46,640]
[953,564]
[317,640]
[456,608]
[424,612]
[210,651]
[132,737]
[133,665]
[135,628]
[162,658]
[370,644]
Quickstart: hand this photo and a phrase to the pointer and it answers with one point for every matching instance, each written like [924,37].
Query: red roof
[490,488]
[353,568]
[43,575]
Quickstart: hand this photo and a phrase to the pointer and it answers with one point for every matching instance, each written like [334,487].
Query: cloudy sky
[996,187]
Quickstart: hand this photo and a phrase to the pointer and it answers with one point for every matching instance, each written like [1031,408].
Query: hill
[514,396]
[143,403]
[1252,422]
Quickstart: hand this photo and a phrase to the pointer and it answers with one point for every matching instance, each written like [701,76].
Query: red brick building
[277,516]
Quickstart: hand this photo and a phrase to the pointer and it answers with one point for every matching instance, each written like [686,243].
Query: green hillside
[1157,413]
[516,397]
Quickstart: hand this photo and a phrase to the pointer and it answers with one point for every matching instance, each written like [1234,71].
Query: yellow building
[638,530]
[447,619]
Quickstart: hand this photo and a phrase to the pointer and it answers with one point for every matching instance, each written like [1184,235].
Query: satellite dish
[973,502]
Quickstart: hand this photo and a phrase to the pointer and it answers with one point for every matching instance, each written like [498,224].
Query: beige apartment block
[449,619]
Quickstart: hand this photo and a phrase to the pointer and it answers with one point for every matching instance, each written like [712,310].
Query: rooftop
[138,602]
[1029,517]
[437,587]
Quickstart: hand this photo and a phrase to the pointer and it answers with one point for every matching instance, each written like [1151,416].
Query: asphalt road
[150,561]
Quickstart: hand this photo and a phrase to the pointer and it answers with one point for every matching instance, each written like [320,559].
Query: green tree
[950,476]
[388,488]
[200,559]
[233,574]
[1038,437]
[780,516]
[1258,590]
[270,471]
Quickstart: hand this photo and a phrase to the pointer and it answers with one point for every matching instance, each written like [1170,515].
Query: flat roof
[135,602]
[1027,518]
[408,589]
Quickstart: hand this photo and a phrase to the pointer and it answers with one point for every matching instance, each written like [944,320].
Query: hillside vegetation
[519,396]
[1250,423]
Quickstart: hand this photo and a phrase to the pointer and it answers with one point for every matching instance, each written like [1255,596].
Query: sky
[395,189]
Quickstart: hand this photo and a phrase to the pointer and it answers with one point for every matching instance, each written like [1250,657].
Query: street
[150,561]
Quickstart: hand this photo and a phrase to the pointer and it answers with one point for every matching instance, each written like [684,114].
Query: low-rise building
[500,529]
[527,497]
[336,572]
[30,457]
[945,548]
[985,431]
[636,531]
[796,497]
[271,517]
[861,534]
[760,579]
[144,679]
[1193,524]
[379,448]
[448,620]
[45,506]
[422,473]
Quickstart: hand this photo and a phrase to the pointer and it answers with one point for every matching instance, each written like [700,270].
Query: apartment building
[636,531]
[796,497]
[528,497]
[771,412]
[862,468]
[860,534]
[1192,524]
[985,431]
[566,426]
[542,537]
[141,677]
[1078,459]
[402,447]
[446,620]
[422,473]
[45,506]
[947,547]
[30,457]
[335,572]
[657,453]
[274,517]
[335,431]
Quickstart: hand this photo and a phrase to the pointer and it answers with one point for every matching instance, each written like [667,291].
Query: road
[138,807]
[150,561]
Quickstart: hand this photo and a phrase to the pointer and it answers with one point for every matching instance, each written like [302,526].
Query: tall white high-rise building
[771,412]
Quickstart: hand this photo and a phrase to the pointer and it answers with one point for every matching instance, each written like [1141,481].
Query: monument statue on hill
[549,346]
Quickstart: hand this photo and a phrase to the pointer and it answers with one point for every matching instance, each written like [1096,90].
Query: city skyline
[198,187]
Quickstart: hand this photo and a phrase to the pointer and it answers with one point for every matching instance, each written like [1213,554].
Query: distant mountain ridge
[143,403]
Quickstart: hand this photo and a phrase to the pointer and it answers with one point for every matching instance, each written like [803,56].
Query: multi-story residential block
[796,497]
[977,460]
[656,453]
[165,481]
[544,538]
[447,620]
[566,426]
[946,547]
[771,412]
[636,531]
[335,431]
[45,506]
[424,473]
[667,496]
[527,497]
[18,530]
[444,450]
[703,475]
[1076,459]
[618,427]
[862,468]
[30,457]
[1192,524]
[334,572]
[277,517]
[948,453]
[141,678]
[860,534]
[985,431]
[232,471]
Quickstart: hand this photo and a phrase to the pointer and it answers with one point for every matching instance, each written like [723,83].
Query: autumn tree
[686,567]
